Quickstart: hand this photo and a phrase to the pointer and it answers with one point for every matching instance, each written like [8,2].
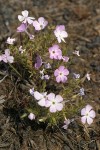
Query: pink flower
[87,114]
[61,74]
[41,97]
[31,116]
[66,122]
[6,57]
[60,33]
[40,24]
[65,58]
[55,52]
[38,62]
[10,40]
[54,102]
[22,28]
[24,17]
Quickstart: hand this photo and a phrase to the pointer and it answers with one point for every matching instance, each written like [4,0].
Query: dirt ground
[82,21]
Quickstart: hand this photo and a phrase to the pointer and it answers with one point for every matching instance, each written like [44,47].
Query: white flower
[31,91]
[66,122]
[81,93]
[60,33]
[41,97]
[88,76]
[40,24]
[31,116]
[24,17]
[10,40]
[77,76]
[54,102]
[21,50]
[76,53]
[87,114]
[6,57]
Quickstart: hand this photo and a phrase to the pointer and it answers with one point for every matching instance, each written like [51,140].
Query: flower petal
[58,79]
[41,102]
[58,98]
[51,96]
[38,95]
[83,112]
[25,13]
[21,18]
[88,108]
[83,119]
[53,109]
[89,120]
[92,114]
[59,106]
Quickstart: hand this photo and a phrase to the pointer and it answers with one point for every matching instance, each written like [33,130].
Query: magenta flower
[6,57]
[87,114]
[60,33]
[40,24]
[22,28]
[54,102]
[24,17]
[55,52]
[61,74]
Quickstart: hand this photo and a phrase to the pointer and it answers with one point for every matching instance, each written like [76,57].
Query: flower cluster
[54,102]
[46,66]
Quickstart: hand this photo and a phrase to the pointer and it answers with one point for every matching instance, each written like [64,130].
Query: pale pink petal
[88,108]
[59,106]
[36,25]
[59,39]
[83,119]
[63,79]
[25,13]
[61,68]
[51,96]
[65,126]
[37,95]
[41,20]
[56,73]
[48,103]
[10,59]
[64,34]
[65,72]
[29,20]
[58,79]
[4,58]
[53,109]
[31,116]
[41,102]
[59,98]
[92,114]
[89,120]
[7,52]
[83,112]
[21,18]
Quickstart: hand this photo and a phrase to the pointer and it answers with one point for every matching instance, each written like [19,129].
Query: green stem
[15,70]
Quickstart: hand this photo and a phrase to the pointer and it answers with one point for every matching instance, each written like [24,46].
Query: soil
[82,21]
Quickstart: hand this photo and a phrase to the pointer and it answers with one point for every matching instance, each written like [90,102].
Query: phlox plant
[39,54]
